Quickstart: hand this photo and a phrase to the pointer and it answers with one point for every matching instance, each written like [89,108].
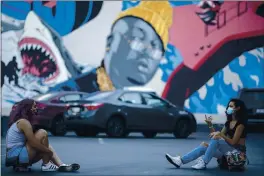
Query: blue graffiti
[61,18]
[182,3]
[64,17]
[128,4]
[219,93]
[173,59]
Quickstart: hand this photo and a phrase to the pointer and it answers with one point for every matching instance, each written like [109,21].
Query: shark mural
[41,56]
[199,63]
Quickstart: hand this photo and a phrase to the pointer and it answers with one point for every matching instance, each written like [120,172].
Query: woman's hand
[208,120]
[217,133]
[217,136]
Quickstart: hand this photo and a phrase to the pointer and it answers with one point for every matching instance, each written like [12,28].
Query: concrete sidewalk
[137,155]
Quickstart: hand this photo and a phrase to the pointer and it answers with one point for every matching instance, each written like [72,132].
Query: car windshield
[97,96]
[44,97]
[253,99]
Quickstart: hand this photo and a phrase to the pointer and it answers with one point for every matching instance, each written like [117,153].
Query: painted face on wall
[134,51]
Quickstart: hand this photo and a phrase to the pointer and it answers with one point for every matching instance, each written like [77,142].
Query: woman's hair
[241,114]
[21,111]
[102,64]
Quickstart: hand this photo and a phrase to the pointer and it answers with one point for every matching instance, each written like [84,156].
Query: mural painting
[195,54]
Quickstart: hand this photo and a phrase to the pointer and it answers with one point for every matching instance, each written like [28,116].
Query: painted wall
[196,55]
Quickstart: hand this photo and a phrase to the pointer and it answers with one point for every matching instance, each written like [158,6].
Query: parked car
[51,108]
[120,112]
[254,100]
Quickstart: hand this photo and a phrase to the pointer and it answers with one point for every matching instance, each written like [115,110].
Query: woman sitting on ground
[232,136]
[29,147]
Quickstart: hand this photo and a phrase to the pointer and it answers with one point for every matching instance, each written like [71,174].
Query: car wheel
[58,127]
[182,129]
[149,134]
[86,133]
[116,127]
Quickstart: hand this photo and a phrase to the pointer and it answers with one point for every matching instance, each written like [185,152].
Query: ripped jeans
[216,148]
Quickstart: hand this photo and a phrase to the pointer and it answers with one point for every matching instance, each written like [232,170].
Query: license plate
[76,110]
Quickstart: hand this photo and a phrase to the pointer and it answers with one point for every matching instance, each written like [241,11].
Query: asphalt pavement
[136,155]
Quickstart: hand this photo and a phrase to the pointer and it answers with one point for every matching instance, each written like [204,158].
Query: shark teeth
[34,46]
[37,47]
[47,53]
[24,47]
[29,47]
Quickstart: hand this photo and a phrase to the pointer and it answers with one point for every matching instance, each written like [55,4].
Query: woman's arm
[223,131]
[26,128]
[208,120]
[211,127]
[216,134]
[236,137]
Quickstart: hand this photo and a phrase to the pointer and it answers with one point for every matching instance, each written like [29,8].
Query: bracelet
[211,127]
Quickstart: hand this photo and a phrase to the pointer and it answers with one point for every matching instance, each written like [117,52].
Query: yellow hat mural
[156,13]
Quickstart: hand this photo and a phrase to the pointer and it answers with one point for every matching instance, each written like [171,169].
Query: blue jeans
[217,148]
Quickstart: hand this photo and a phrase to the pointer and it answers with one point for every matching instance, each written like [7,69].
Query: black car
[120,112]
[254,100]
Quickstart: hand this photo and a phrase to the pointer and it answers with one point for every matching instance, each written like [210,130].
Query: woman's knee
[41,133]
[42,136]
[204,144]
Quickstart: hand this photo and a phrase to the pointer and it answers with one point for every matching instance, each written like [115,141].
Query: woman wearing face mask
[26,147]
[232,136]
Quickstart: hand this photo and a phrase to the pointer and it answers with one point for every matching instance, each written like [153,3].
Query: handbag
[236,158]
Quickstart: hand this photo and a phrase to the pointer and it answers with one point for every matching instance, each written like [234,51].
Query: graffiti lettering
[62,16]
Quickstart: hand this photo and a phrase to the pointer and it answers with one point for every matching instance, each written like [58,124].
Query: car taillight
[93,106]
[41,106]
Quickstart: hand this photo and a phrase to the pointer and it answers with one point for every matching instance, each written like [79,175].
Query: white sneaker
[200,164]
[69,167]
[176,161]
[49,167]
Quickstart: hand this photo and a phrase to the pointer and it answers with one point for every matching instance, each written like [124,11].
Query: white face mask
[230,111]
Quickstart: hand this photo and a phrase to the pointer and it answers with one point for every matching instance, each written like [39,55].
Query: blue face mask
[230,111]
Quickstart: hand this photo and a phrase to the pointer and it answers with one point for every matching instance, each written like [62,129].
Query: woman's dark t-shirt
[231,132]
